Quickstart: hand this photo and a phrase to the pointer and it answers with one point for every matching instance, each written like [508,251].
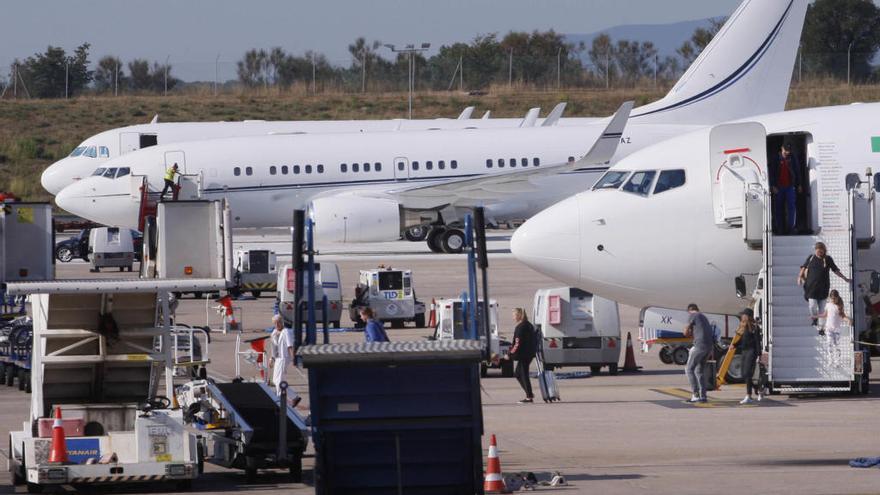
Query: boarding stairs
[187,188]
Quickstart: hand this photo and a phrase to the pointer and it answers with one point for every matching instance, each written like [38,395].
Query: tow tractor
[255,271]
[451,326]
[389,293]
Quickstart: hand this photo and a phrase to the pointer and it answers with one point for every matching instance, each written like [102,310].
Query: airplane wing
[473,191]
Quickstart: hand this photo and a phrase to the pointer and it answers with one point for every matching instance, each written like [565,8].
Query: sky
[192,33]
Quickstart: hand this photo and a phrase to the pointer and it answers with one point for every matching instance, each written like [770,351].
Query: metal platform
[391,352]
[99,286]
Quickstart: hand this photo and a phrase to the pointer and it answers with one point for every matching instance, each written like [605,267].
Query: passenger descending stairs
[798,354]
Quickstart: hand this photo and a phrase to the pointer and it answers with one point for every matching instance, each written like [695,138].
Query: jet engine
[356,219]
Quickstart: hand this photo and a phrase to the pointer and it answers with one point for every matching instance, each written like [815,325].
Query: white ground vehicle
[660,326]
[389,292]
[111,247]
[25,234]
[255,271]
[450,325]
[327,283]
[578,329]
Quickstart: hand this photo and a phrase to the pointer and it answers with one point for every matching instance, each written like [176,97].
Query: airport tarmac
[631,433]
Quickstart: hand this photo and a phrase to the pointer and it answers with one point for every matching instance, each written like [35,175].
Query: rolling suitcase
[547,382]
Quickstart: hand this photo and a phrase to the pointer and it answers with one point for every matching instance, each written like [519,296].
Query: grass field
[34,133]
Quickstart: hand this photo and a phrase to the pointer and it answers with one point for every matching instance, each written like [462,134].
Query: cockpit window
[91,152]
[669,179]
[99,172]
[103,152]
[611,180]
[110,173]
[640,182]
[122,172]
[77,151]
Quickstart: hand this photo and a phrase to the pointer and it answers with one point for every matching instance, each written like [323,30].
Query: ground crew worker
[523,350]
[700,329]
[374,331]
[169,180]
[282,355]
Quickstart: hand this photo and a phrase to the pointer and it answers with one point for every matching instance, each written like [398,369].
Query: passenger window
[284,169]
[104,152]
[501,163]
[570,159]
[536,161]
[296,169]
[249,171]
[355,167]
[441,165]
[378,167]
[524,162]
[308,169]
[611,180]
[366,166]
[343,168]
[320,169]
[401,166]
[669,179]
[640,182]
[489,163]
[236,171]
[273,170]
[453,164]
[415,165]
[123,172]
[513,162]
[429,165]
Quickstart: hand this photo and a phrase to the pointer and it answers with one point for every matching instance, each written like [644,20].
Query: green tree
[602,55]
[252,68]
[834,27]
[635,60]
[105,78]
[691,49]
[139,75]
[48,74]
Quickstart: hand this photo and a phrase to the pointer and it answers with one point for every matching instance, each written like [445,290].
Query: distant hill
[666,37]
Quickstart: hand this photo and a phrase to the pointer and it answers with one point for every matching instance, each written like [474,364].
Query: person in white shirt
[834,316]
[281,356]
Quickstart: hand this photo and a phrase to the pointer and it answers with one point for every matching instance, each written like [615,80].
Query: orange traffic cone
[58,450]
[432,316]
[494,482]
[630,363]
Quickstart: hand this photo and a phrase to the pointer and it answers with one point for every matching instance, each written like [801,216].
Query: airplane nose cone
[68,199]
[51,180]
[549,242]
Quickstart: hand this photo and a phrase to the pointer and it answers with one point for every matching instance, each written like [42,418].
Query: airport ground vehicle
[577,329]
[390,294]
[111,247]
[327,284]
[450,326]
[78,246]
[255,271]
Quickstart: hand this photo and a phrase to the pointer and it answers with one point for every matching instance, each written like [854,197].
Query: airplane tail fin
[745,70]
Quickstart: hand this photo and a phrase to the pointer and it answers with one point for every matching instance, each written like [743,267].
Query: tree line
[839,37]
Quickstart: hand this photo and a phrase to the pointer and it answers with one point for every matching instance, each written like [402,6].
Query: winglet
[466,113]
[604,148]
[531,117]
[155,119]
[554,115]
[487,115]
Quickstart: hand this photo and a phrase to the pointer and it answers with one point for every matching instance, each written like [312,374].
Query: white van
[327,283]
[578,329]
[111,247]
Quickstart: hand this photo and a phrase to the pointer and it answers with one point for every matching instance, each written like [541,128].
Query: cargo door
[128,142]
[738,160]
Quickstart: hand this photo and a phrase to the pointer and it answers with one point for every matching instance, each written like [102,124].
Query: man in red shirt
[785,185]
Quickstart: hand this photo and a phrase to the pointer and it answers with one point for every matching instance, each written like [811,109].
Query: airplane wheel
[433,239]
[452,241]
[680,355]
[417,233]
[666,355]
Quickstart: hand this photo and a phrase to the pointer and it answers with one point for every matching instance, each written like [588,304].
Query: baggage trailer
[450,326]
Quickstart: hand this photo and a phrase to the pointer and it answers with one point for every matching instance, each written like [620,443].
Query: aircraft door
[401,168]
[178,157]
[128,142]
[738,164]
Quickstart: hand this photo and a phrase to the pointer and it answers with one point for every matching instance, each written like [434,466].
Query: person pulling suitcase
[523,352]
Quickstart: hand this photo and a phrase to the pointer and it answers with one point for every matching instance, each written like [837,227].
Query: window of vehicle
[453,164]
[366,166]
[378,167]
[91,152]
[77,151]
[104,152]
[236,171]
[501,163]
[536,161]
[669,179]
[248,171]
[122,172]
[99,171]
[441,164]
[640,182]
[524,162]
[415,165]
[308,169]
[611,180]
[489,163]
[284,169]
[273,170]
[343,168]
[355,167]
[320,168]
[429,165]
[390,280]
[296,169]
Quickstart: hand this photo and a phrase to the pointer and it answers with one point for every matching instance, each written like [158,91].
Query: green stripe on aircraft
[875,144]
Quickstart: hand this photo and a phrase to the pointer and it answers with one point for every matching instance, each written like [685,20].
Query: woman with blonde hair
[749,345]
[523,351]
[834,316]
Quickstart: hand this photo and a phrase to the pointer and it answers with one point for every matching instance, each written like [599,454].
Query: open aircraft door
[172,157]
[738,168]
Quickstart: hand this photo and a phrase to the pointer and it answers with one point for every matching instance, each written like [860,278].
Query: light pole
[410,50]
[166,75]
[216,72]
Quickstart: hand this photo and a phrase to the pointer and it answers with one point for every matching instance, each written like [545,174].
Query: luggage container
[327,284]
[450,325]
[111,247]
[255,271]
[578,328]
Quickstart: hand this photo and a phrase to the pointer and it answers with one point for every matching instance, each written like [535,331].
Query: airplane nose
[51,180]
[69,199]
[549,242]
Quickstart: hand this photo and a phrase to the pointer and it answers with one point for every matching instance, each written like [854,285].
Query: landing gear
[417,233]
[433,239]
[452,241]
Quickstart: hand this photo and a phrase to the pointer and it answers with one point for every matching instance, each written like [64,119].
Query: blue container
[396,417]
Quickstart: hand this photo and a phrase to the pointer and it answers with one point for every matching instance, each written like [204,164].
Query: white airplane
[431,177]
[662,227]
[97,149]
